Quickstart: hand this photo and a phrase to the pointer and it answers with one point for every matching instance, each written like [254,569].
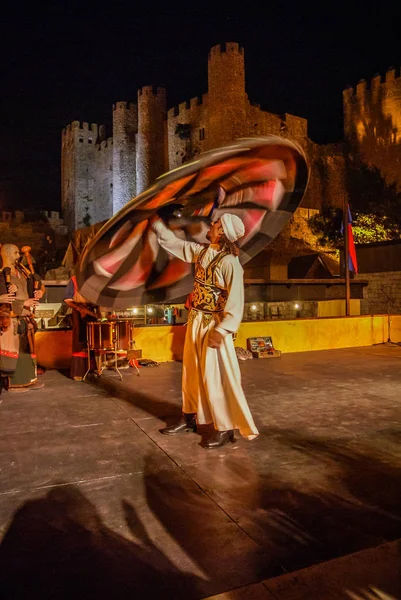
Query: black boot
[219,439]
[186,423]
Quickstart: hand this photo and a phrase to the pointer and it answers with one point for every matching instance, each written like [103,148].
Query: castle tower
[372,123]
[77,174]
[151,160]
[227,100]
[125,126]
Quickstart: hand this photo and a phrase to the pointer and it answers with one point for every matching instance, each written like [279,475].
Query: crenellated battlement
[392,76]
[104,144]
[184,107]
[131,106]
[372,122]
[84,126]
[226,49]
[151,90]
[84,129]
[145,140]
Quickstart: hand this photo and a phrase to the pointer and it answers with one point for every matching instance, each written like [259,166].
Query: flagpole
[346,259]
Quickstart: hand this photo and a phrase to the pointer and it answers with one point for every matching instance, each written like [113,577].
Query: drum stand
[99,363]
[110,347]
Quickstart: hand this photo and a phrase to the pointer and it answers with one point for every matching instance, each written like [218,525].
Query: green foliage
[374,228]
[326,227]
[366,228]
[375,206]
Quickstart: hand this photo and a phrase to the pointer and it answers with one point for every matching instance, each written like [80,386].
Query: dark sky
[69,61]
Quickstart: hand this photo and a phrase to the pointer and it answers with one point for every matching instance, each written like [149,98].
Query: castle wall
[43,231]
[296,127]
[382,295]
[227,100]
[261,122]
[78,172]
[151,159]
[193,114]
[327,180]
[372,123]
[99,176]
[103,183]
[67,177]
[225,113]
[125,126]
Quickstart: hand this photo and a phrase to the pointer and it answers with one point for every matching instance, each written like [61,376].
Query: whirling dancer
[211,380]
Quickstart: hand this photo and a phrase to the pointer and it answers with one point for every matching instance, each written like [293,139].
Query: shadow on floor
[124,390]
[340,497]
[59,547]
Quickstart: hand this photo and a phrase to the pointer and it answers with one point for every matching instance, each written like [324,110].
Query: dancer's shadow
[340,496]
[58,547]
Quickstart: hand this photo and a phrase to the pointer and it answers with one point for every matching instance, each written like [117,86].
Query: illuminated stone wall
[327,179]
[85,167]
[372,123]
[151,139]
[382,295]
[194,115]
[125,127]
[227,100]
[42,231]
[102,204]
[99,176]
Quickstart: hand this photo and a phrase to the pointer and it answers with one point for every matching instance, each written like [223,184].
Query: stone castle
[372,123]
[101,174]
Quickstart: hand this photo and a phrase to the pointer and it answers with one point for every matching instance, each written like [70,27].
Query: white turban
[233,227]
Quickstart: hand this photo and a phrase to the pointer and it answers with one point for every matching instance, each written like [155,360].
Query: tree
[366,228]
[375,206]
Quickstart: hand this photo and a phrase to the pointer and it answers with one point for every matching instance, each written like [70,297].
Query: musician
[82,312]
[17,341]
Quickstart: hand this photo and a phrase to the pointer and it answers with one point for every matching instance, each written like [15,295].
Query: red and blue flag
[352,261]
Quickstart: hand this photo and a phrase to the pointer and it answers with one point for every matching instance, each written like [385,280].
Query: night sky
[73,61]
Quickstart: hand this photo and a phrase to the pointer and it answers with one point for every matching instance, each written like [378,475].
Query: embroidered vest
[208,296]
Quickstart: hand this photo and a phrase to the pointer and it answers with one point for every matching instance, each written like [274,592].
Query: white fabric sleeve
[233,275]
[186,251]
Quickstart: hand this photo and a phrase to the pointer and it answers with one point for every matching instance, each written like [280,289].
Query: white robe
[211,378]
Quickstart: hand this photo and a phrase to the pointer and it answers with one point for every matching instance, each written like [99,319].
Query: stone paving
[95,503]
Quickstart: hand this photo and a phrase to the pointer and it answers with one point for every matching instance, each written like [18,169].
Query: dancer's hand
[215,339]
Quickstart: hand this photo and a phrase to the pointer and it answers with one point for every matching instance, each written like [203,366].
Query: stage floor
[96,503]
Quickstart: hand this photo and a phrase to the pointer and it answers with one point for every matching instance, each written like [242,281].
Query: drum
[111,335]
[100,336]
[124,337]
